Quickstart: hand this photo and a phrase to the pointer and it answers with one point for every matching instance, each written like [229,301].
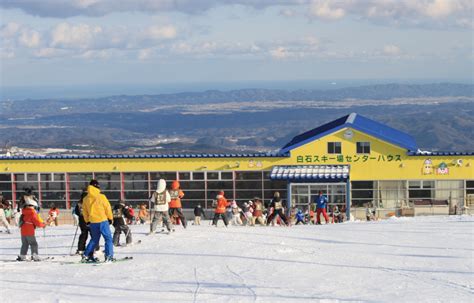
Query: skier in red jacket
[28,222]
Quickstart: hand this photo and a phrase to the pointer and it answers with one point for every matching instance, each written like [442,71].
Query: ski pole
[73,240]
[44,240]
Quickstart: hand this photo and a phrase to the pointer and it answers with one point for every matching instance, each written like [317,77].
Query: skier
[236,212]
[369,212]
[142,214]
[220,209]
[53,215]
[3,217]
[277,205]
[176,195]
[28,222]
[159,201]
[122,214]
[247,213]
[258,212]
[8,211]
[81,244]
[300,217]
[198,213]
[98,215]
[336,215]
[321,202]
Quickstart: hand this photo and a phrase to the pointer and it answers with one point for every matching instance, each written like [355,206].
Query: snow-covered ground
[422,259]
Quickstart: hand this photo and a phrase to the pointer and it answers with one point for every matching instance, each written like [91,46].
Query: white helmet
[161,186]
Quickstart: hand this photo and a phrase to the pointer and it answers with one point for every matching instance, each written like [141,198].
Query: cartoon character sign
[427,167]
[443,169]
[251,163]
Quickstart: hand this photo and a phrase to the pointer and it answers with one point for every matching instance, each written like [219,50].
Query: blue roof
[359,123]
[145,156]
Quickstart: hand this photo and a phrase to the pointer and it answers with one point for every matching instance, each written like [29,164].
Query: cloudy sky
[68,42]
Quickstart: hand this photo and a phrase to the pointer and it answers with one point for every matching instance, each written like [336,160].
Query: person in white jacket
[159,207]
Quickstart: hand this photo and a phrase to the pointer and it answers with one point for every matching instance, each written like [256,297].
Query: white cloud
[323,9]
[145,54]
[29,38]
[391,50]
[161,32]
[49,52]
[279,53]
[82,36]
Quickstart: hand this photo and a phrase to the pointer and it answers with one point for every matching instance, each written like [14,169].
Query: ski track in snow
[422,259]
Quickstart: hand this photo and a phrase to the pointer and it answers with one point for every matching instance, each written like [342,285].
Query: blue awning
[311,173]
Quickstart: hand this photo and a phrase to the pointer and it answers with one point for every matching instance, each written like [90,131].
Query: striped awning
[311,172]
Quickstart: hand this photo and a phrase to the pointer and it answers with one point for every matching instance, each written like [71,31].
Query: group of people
[95,215]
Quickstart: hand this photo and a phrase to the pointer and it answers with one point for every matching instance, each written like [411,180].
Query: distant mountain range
[439,116]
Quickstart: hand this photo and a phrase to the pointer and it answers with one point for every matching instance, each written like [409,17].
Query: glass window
[80,177]
[227,175]
[248,175]
[135,176]
[137,185]
[334,148]
[363,147]
[198,176]
[185,176]
[212,175]
[248,185]
[5,177]
[163,175]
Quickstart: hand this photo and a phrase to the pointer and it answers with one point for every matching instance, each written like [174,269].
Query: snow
[421,259]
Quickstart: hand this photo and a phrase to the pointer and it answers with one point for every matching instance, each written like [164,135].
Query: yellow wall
[375,167]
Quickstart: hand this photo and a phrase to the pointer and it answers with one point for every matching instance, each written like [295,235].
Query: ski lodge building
[353,160]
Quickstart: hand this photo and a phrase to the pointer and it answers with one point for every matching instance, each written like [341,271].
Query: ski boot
[89,259]
[109,259]
[21,258]
[35,258]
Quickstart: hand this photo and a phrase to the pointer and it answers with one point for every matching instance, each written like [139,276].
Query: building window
[334,148]
[363,147]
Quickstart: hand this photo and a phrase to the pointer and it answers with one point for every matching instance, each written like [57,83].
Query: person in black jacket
[81,245]
[277,205]
[198,212]
[121,213]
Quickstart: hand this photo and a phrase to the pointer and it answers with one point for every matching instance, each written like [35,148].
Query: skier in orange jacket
[221,206]
[175,205]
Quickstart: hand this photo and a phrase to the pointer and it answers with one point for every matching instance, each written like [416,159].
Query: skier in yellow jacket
[98,215]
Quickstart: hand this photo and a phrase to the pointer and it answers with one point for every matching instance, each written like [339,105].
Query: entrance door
[304,194]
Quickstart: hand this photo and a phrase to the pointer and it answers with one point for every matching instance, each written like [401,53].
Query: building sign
[347,158]
[442,169]
[427,167]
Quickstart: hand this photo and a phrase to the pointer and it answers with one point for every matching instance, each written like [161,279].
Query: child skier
[121,214]
[3,217]
[220,210]
[198,213]
[236,212]
[258,212]
[53,215]
[300,217]
[142,214]
[28,222]
[176,195]
[159,201]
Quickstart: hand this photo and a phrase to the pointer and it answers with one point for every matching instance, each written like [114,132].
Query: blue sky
[158,42]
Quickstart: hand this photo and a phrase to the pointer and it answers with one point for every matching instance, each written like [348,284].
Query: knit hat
[175,185]
[276,195]
[94,183]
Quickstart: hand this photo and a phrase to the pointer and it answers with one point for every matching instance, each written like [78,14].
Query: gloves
[88,224]
[110,222]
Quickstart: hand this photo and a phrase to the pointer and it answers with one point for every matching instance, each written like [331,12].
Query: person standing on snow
[121,214]
[321,203]
[29,220]
[85,230]
[98,215]
[176,195]
[277,205]
[300,218]
[198,213]
[159,201]
[3,217]
[236,212]
[220,209]
[258,212]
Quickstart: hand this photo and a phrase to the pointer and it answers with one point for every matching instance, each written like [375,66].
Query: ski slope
[422,259]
